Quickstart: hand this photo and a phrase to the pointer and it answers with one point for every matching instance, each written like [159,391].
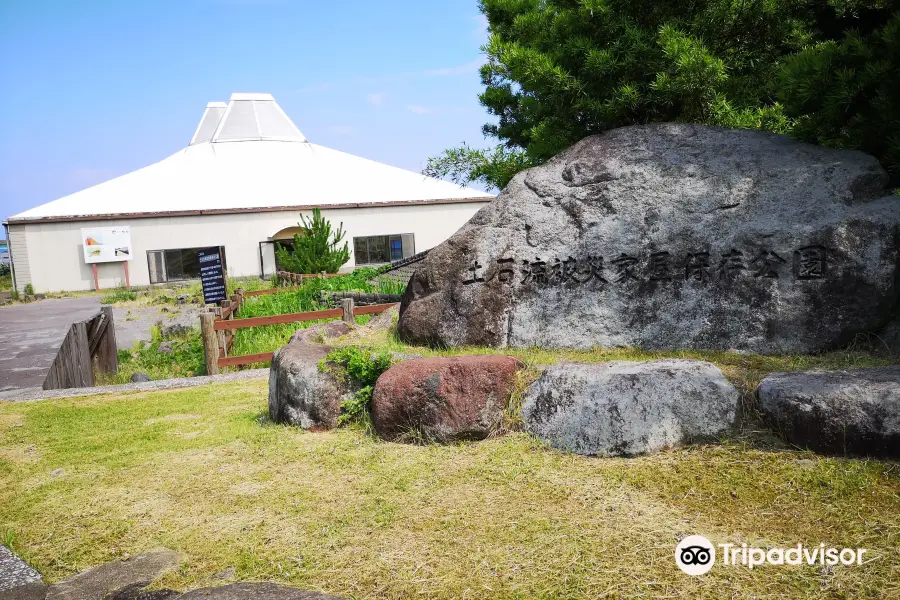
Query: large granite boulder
[300,392]
[444,399]
[670,235]
[623,408]
[855,411]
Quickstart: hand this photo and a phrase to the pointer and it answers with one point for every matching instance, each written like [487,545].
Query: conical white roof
[209,122]
[273,166]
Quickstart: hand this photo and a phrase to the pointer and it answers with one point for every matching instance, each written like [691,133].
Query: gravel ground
[147,386]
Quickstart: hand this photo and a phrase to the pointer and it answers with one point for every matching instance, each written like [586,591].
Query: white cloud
[464,69]
[317,88]
[481,29]
[418,109]
[342,129]
[469,67]
[376,98]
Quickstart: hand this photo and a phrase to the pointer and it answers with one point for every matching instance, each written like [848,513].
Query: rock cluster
[127,580]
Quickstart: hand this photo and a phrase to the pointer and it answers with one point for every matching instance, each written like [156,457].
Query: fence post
[210,342]
[107,355]
[347,306]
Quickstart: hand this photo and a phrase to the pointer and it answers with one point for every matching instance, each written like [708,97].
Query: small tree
[317,250]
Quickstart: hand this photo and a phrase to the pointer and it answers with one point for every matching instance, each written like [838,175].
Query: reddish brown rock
[444,399]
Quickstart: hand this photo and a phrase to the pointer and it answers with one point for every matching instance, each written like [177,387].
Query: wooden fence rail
[89,347]
[213,328]
[217,326]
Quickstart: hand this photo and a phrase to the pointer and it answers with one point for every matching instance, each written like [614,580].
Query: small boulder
[106,580]
[444,399]
[175,330]
[165,348]
[139,377]
[385,319]
[321,331]
[15,572]
[255,591]
[624,408]
[855,411]
[300,393]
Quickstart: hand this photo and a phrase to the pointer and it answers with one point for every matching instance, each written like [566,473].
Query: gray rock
[321,332]
[15,572]
[137,592]
[670,235]
[300,393]
[855,411]
[255,591]
[29,591]
[139,377]
[108,579]
[625,408]
[165,348]
[175,330]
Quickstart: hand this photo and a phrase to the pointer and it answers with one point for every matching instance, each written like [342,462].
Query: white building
[241,184]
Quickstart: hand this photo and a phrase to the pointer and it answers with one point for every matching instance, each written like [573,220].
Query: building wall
[50,257]
[18,248]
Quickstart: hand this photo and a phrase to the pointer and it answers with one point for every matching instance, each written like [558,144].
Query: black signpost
[212,276]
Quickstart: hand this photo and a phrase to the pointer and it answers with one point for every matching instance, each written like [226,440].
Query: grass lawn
[201,471]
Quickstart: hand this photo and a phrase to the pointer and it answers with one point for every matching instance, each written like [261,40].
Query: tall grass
[308,297]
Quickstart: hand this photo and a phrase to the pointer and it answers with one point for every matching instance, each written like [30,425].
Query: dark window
[176,265]
[287,245]
[380,249]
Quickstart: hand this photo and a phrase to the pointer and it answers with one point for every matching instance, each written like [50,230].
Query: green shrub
[317,250]
[364,367]
[29,289]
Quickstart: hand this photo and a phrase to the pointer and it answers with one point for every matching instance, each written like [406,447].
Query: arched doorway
[268,261]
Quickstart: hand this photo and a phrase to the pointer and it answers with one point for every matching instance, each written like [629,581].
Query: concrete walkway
[30,336]
[146,386]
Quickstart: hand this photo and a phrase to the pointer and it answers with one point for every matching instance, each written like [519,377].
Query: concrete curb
[31,394]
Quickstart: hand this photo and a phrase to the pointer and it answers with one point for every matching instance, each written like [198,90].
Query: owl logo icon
[695,555]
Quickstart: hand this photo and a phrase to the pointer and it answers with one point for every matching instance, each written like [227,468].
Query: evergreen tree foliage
[317,250]
[560,70]
[846,93]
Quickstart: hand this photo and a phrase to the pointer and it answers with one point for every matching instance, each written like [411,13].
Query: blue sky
[93,89]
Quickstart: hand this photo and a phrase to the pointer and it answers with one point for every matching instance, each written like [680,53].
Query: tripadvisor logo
[695,555]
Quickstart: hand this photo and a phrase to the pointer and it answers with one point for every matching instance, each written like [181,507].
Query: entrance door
[267,259]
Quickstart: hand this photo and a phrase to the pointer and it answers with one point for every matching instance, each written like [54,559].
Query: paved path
[30,336]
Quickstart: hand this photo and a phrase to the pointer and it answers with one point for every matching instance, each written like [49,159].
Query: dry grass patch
[348,514]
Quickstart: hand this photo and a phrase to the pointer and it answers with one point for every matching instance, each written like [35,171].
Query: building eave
[229,211]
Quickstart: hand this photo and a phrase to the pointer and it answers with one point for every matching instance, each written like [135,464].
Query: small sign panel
[106,244]
[212,275]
